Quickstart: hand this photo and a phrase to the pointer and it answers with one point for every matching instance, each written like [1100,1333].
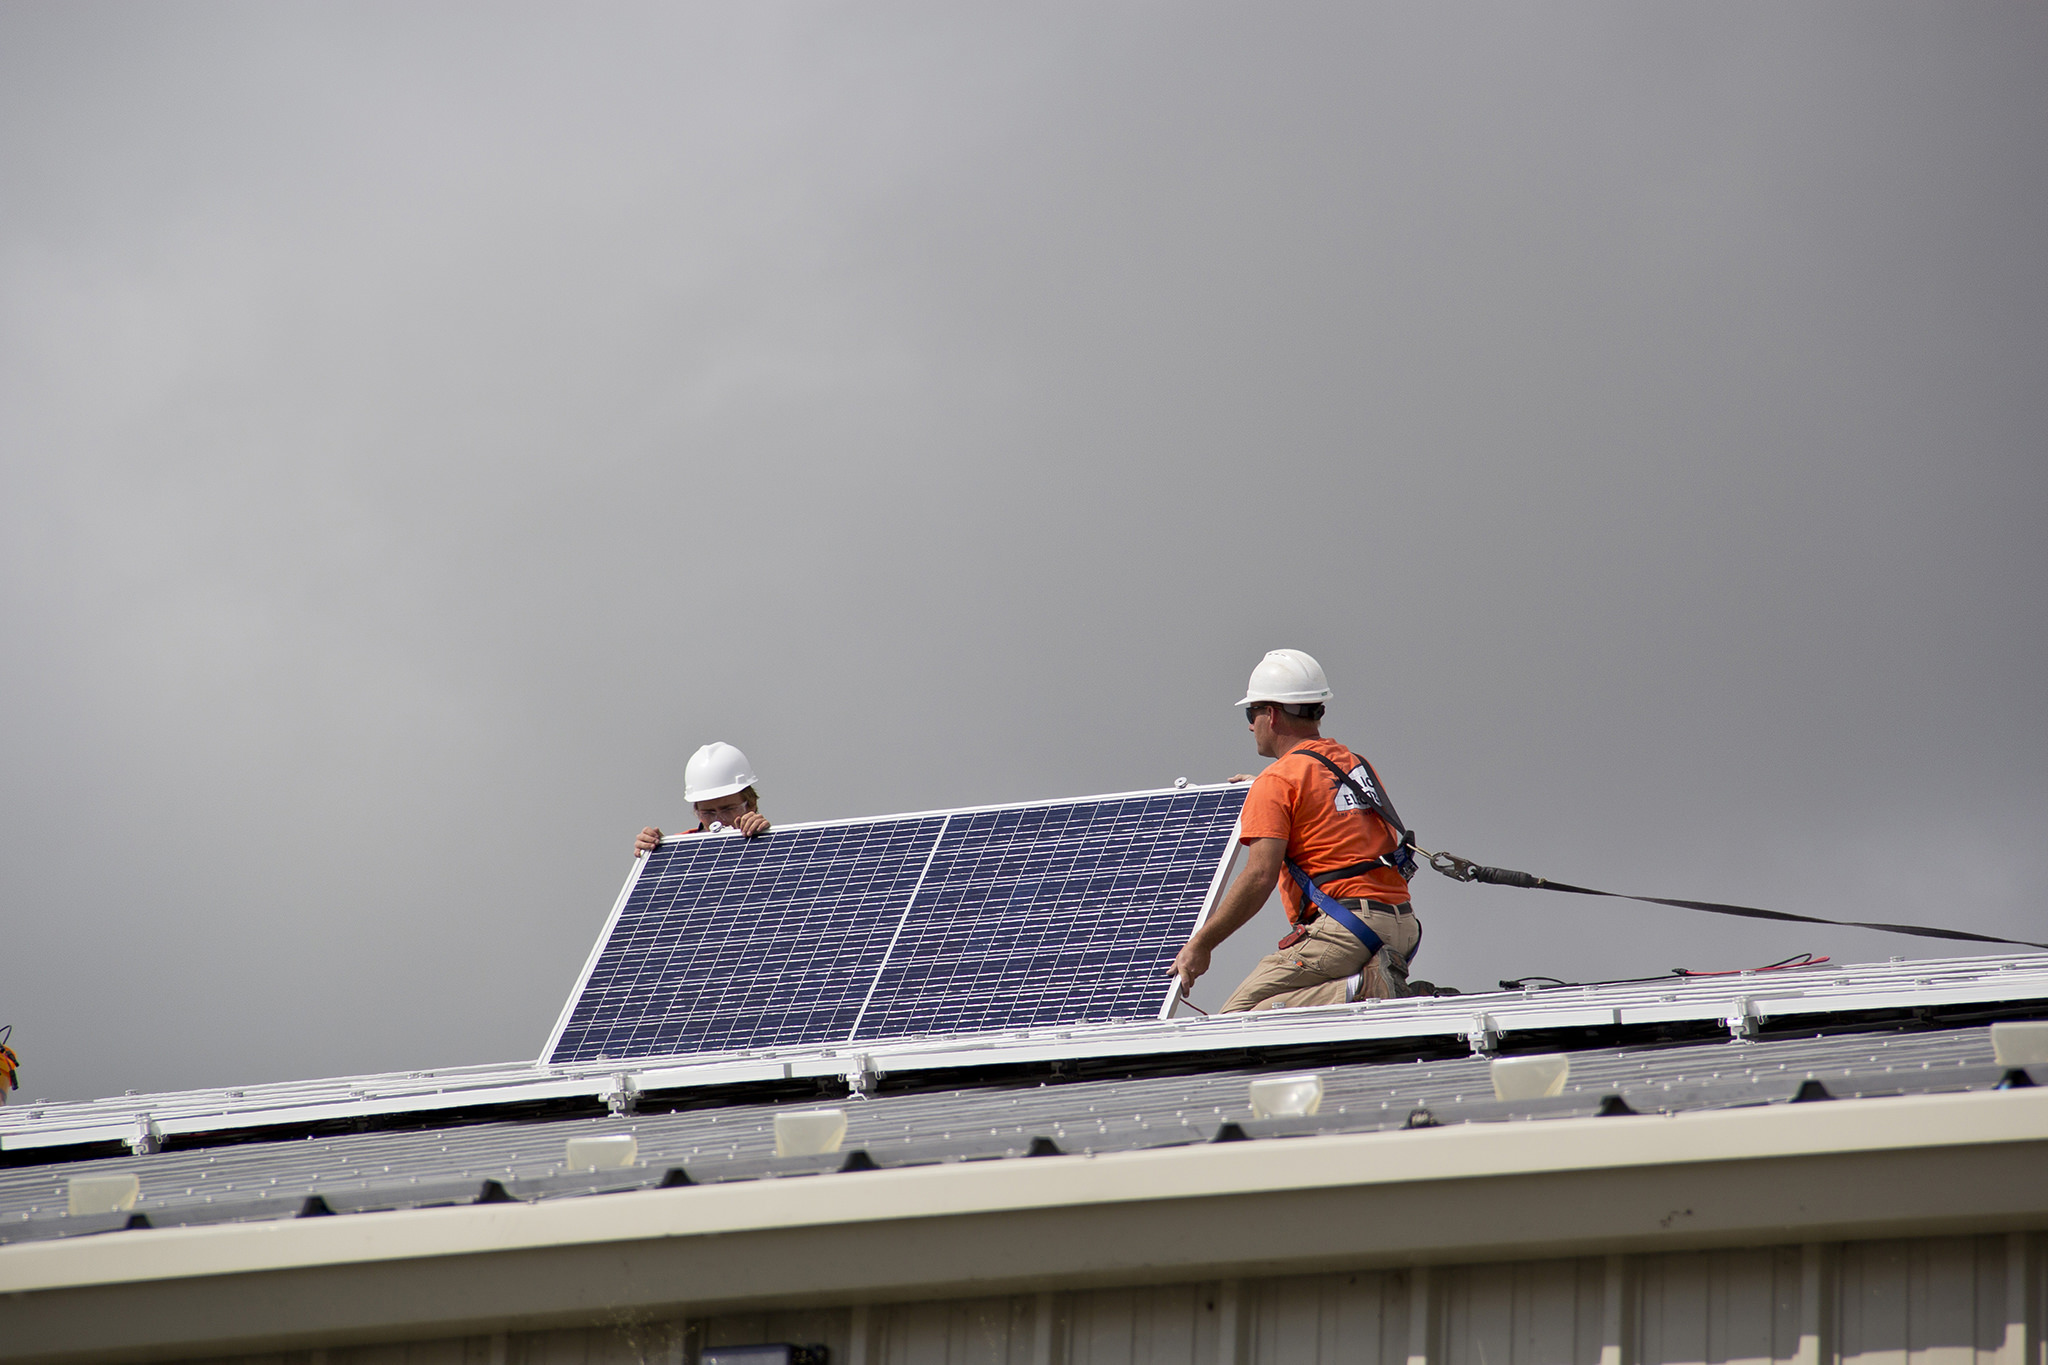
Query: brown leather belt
[1309,914]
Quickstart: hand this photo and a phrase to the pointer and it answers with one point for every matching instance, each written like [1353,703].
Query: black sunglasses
[1251,713]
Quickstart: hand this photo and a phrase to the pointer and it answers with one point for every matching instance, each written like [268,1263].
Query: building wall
[1922,1301]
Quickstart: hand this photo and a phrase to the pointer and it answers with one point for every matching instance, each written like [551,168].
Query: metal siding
[1166,1325]
[1719,1307]
[2034,1350]
[647,1343]
[383,1353]
[1355,1319]
[448,1351]
[1920,1301]
[995,1331]
[1522,1313]
[1927,1301]
[573,1346]
[827,1327]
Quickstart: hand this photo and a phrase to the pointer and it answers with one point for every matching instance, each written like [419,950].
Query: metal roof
[1751,1004]
[1758,1177]
[448,1165]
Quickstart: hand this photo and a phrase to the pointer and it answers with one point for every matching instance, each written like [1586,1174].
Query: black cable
[1522,982]
[1465,870]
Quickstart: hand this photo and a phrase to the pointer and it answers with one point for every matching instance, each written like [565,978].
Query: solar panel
[726,943]
[1053,914]
[949,921]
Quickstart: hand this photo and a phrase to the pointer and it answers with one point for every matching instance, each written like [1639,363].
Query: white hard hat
[716,770]
[1288,676]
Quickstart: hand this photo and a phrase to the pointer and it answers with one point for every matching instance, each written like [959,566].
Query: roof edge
[1947,1164]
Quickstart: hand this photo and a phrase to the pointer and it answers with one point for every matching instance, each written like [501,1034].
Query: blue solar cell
[1053,914]
[991,919]
[727,943]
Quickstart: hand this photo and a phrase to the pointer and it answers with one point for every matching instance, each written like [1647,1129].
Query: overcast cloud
[422,426]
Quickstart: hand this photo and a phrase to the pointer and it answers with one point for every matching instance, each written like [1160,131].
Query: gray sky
[421,426]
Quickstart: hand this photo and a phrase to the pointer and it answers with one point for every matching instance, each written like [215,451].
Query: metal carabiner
[1452,866]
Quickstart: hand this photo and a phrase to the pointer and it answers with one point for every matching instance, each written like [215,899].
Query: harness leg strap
[1335,909]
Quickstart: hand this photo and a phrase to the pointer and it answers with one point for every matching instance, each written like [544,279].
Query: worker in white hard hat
[719,782]
[1318,824]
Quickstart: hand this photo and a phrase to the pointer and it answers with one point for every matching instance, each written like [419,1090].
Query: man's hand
[1242,777]
[649,840]
[1263,860]
[1189,964]
[752,824]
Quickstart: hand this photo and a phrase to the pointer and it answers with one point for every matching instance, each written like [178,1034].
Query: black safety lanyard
[1465,870]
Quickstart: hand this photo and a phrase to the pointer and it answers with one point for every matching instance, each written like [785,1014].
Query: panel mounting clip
[861,1076]
[1483,1036]
[1743,1021]
[624,1096]
[148,1137]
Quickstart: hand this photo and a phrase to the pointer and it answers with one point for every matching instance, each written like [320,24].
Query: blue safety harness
[1371,797]
[1334,908]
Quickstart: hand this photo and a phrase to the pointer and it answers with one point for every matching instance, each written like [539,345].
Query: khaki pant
[1318,970]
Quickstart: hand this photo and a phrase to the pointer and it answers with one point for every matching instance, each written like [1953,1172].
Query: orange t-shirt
[1301,801]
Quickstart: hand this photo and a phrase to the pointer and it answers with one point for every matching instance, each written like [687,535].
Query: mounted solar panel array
[962,921]
[1767,1007]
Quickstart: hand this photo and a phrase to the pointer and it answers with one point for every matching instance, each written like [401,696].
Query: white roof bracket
[1744,1020]
[861,1077]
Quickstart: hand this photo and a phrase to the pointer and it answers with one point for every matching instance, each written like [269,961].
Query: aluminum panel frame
[604,937]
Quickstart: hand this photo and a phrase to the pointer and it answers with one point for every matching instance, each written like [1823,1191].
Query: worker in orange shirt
[1318,824]
[719,782]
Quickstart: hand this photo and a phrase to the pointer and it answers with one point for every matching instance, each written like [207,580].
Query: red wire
[1789,964]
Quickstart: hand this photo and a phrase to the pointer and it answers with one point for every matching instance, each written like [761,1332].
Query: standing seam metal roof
[450,1164]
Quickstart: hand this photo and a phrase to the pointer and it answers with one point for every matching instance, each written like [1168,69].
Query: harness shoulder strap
[1375,800]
